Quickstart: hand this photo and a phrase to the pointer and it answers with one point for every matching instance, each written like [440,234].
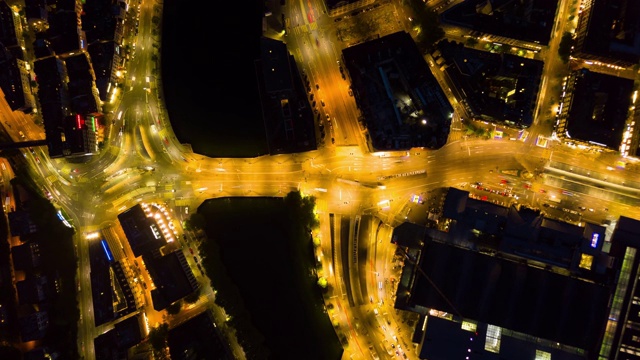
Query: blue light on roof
[594,240]
[106,250]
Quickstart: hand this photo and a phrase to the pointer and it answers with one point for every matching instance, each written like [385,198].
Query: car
[322,103]
[191,251]
[317,87]
[328,118]
[582,208]
[333,141]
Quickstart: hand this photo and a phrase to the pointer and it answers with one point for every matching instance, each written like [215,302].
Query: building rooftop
[401,102]
[609,30]
[198,338]
[172,277]
[142,232]
[597,107]
[500,88]
[287,112]
[530,20]
[511,268]
[511,295]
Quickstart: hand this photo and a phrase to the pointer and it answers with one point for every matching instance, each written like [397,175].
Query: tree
[566,44]
[193,297]
[174,308]
[471,42]
[195,222]
[158,337]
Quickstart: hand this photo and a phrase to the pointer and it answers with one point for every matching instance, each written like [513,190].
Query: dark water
[208,75]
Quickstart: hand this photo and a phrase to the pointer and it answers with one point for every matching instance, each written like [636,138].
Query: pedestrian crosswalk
[455,135]
[301,29]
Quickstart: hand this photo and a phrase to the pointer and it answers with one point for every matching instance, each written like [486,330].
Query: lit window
[492,341]
[586,261]
[542,355]
[469,326]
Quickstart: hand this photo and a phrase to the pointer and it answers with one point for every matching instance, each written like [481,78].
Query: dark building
[287,116]
[622,339]
[198,338]
[172,277]
[26,257]
[20,223]
[402,104]
[115,343]
[53,101]
[42,353]
[595,110]
[142,232]
[509,283]
[103,20]
[63,34]
[35,11]
[609,32]
[14,76]
[171,274]
[34,289]
[9,34]
[526,20]
[112,295]
[106,58]
[498,88]
[101,284]
[81,95]
[34,326]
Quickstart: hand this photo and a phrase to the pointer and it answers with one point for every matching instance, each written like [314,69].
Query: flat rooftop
[599,107]
[530,20]
[511,295]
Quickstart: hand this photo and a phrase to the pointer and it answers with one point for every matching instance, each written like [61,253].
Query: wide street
[143,161]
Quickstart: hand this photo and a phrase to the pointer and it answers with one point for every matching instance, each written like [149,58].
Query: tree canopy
[566,44]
